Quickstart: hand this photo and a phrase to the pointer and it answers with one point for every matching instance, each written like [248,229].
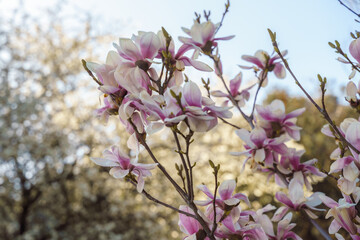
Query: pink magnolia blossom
[164,108]
[226,197]
[346,186]
[240,96]
[296,199]
[104,112]
[347,166]
[226,219]
[202,36]
[326,129]
[290,163]
[140,50]
[105,73]
[226,203]
[274,120]
[121,165]
[284,228]
[343,213]
[189,225]
[263,62]
[354,49]
[352,135]
[134,80]
[351,92]
[201,112]
[178,57]
[259,148]
[235,224]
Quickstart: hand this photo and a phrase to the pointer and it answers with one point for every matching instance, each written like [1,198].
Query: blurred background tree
[48,188]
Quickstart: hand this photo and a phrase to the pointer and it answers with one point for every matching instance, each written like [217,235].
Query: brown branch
[151,198]
[264,76]
[229,123]
[160,166]
[348,8]
[179,151]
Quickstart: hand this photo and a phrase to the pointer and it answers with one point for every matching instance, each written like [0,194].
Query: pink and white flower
[240,96]
[189,225]
[259,148]
[263,61]
[139,51]
[226,197]
[290,163]
[274,120]
[343,213]
[354,49]
[121,166]
[296,199]
[202,36]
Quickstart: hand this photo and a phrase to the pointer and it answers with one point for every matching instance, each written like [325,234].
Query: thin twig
[214,202]
[177,187]
[348,8]
[179,151]
[229,123]
[318,227]
[227,5]
[188,142]
[264,76]
[163,170]
[151,198]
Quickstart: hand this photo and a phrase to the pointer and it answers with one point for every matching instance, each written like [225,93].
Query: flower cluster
[143,83]
[230,221]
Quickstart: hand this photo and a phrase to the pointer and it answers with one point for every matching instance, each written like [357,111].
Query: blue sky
[303,27]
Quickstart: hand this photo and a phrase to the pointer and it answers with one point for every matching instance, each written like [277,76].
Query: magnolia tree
[144,85]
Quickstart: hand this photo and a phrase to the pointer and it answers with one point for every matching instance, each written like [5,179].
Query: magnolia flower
[235,223]
[259,148]
[327,130]
[202,36]
[290,163]
[134,80]
[105,73]
[343,213]
[263,62]
[264,220]
[189,225]
[140,50]
[275,121]
[201,119]
[240,96]
[226,197]
[122,166]
[296,199]
[178,58]
[346,186]
[201,113]
[354,49]
[164,108]
[104,112]
[351,92]
[284,229]
[347,166]
[352,135]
